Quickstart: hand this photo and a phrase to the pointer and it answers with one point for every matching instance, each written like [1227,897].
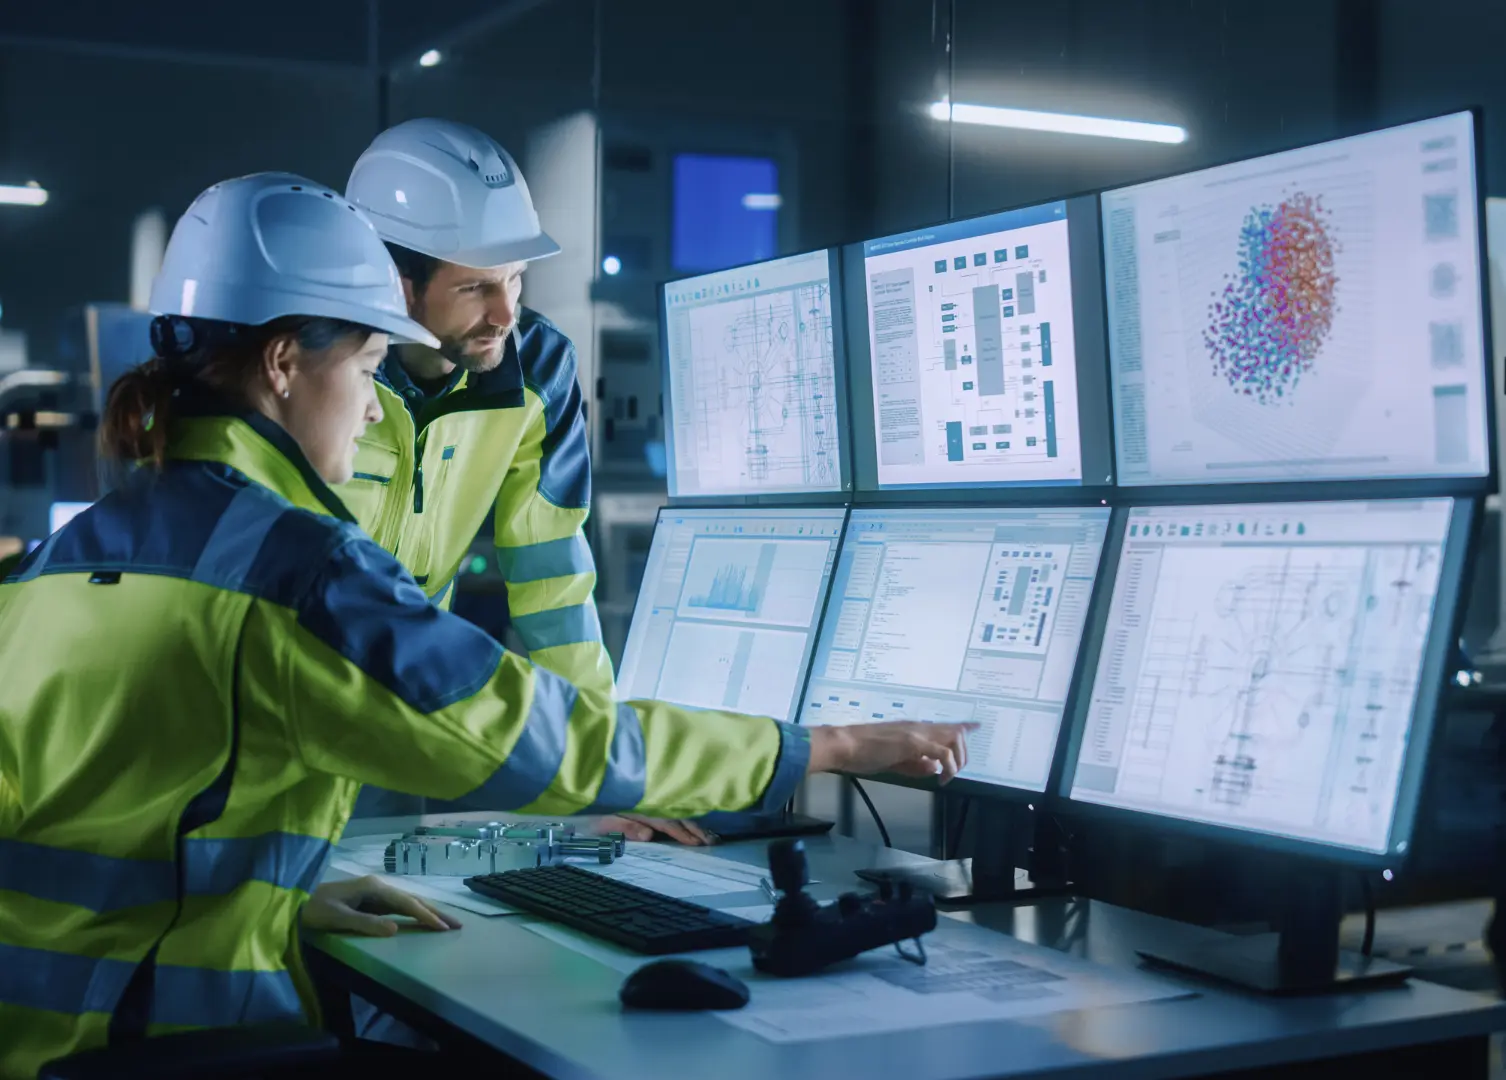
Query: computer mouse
[683,986]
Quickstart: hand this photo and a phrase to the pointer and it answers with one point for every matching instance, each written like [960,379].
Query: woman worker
[198,673]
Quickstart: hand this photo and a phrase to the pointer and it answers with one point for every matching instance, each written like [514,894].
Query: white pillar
[148,242]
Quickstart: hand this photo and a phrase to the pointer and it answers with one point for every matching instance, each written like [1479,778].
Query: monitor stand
[1301,957]
[992,874]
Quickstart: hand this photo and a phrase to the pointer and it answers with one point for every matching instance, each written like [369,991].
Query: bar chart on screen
[772,581]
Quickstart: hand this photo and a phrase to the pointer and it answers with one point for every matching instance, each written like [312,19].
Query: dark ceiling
[338,33]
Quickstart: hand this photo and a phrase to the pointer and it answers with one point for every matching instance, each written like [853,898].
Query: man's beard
[453,350]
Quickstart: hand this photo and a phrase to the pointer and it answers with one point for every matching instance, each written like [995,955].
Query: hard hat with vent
[450,192]
[260,247]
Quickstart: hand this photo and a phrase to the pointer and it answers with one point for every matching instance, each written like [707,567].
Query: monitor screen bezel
[1448,610]
[1092,412]
[964,785]
[822,602]
[1299,490]
[771,497]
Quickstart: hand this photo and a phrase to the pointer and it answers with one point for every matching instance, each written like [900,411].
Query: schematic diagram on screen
[973,362]
[1020,595]
[765,399]
[1277,683]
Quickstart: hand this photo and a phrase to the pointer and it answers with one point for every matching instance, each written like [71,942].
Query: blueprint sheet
[972,975]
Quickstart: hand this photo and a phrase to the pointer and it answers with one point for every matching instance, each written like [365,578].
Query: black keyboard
[626,915]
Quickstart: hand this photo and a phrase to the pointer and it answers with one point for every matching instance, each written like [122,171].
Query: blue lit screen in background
[726,211]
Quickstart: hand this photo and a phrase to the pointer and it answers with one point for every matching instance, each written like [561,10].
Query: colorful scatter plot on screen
[1268,324]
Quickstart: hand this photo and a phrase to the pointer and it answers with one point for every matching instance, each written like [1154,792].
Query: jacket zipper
[418,486]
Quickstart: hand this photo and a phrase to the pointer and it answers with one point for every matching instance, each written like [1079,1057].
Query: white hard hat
[448,191]
[264,246]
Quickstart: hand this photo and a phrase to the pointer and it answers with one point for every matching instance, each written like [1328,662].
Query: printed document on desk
[972,975]
[679,872]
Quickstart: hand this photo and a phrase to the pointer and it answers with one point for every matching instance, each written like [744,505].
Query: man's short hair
[414,265]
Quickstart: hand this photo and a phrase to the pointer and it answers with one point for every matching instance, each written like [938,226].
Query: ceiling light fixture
[1064,123]
[28,194]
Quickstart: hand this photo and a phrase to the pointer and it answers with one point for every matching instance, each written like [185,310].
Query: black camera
[803,937]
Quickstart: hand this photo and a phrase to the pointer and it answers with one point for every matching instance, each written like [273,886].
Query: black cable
[918,957]
[883,832]
[939,831]
[956,839]
[951,125]
[1369,940]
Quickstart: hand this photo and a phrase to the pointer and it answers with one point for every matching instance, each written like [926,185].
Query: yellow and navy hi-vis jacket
[510,442]
[196,676]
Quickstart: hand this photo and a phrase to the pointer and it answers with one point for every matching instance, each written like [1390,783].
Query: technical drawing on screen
[956,615]
[1312,314]
[752,380]
[729,606]
[1261,664]
[973,352]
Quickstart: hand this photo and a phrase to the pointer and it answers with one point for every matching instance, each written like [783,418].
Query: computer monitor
[729,607]
[982,361]
[1269,672]
[961,614]
[1309,315]
[754,387]
[1490,652]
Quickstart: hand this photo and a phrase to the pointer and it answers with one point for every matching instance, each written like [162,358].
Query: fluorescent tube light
[762,201]
[1065,123]
[32,194]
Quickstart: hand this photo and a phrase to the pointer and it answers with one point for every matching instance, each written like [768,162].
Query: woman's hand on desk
[356,906]
[638,827]
[906,747]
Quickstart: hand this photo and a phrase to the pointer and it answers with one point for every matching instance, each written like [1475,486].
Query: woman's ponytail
[137,414]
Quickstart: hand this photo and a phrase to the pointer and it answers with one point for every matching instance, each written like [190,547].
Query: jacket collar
[208,427]
[499,388]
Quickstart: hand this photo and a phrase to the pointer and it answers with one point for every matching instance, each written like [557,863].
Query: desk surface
[557,1011]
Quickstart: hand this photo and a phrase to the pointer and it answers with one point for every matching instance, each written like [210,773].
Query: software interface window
[729,606]
[961,614]
[1313,314]
[752,380]
[973,354]
[1260,665]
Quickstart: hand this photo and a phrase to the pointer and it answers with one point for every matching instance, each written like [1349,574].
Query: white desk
[556,1011]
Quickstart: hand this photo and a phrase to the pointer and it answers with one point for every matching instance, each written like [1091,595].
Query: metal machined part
[497,830]
[494,848]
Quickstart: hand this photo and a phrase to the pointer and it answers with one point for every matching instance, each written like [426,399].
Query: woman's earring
[285,393]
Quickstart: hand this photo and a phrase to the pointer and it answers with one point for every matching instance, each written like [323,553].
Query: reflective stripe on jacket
[196,676]
[510,442]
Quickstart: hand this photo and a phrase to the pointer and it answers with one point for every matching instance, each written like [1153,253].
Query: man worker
[491,422]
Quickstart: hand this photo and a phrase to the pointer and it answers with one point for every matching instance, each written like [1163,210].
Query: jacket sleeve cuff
[789,770]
